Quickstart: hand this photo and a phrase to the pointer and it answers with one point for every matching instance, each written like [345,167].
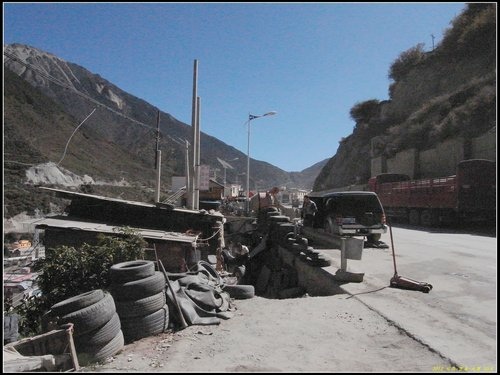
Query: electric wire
[74,131]
[72,88]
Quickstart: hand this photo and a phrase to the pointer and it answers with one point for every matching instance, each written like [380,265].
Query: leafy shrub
[66,272]
[406,62]
[364,111]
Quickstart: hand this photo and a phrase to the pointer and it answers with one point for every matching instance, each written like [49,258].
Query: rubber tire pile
[136,307]
[140,298]
[281,234]
[97,331]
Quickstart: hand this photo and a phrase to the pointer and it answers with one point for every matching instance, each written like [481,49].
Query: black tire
[224,298]
[144,326]
[131,270]
[77,302]
[294,292]
[320,261]
[100,353]
[239,291]
[141,288]
[240,271]
[414,217]
[211,270]
[375,237]
[429,218]
[331,226]
[302,241]
[271,209]
[99,336]
[309,250]
[140,307]
[314,255]
[91,317]
[296,248]
[279,219]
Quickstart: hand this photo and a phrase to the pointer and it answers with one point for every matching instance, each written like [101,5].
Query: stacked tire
[140,297]
[96,325]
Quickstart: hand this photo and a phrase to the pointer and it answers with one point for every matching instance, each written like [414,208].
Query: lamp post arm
[250,118]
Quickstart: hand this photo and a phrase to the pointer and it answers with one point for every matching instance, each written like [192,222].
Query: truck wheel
[414,217]
[429,218]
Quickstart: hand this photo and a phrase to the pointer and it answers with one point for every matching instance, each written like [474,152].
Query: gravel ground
[309,334]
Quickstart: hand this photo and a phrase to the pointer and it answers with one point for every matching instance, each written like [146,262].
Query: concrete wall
[439,161]
[316,281]
[378,166]
[404,162]
[443,159]
[485,147]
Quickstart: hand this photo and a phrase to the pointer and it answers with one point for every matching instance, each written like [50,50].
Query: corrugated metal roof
[104,228]
[73,194]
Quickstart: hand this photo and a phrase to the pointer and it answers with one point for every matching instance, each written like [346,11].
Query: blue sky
[309,62]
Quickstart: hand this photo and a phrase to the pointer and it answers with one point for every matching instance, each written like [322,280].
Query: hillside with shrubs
[434,96]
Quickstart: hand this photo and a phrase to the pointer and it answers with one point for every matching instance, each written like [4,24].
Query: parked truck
[467,196]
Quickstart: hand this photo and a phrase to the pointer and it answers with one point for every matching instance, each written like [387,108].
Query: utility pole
[197,161]
[188,181]
[158,158]
[190,195]
[432,36]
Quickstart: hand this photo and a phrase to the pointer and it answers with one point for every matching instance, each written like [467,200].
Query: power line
[58,82]
[72,88]
[74,131]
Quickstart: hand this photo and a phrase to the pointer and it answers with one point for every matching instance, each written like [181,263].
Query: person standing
[309,210]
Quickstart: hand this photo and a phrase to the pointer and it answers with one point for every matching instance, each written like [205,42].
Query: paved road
[458,318]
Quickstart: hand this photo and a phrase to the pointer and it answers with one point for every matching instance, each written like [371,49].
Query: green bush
[67,271]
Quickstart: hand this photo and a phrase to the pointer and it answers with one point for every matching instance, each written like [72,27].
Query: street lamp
[250,118]
[226,165]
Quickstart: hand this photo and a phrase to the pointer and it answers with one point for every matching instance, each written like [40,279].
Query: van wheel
[330,226]
[373,237]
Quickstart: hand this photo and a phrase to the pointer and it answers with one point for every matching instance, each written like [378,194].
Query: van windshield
[354,205]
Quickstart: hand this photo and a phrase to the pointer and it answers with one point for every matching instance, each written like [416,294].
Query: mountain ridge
[46,98]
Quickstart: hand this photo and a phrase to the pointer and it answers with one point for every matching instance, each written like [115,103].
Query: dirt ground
[309,334]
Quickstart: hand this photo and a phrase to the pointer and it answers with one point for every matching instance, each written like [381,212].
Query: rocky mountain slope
[46,99]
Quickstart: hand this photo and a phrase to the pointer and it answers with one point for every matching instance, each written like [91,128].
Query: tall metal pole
[194,135]
[197,161]
[248,168]
[188,167]
[158,158]
[250,118]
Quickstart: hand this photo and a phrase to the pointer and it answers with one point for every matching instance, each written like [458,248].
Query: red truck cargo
[469,195]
